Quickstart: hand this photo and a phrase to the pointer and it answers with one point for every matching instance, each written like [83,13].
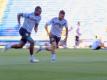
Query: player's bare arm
[46,28]
[66,35]
[36,27]
[19,17]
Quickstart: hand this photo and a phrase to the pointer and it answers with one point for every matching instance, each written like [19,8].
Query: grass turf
[71,64]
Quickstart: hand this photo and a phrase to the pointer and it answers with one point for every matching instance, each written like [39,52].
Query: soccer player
[31,20]
[98,44]
[78,34]
[57,25]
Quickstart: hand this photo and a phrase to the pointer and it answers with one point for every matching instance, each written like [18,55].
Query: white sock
[32,57]
[53,56]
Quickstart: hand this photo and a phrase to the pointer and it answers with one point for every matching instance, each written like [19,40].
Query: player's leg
[97,48]
[54,46]
[31,49]
[54,41]
[53,52]
[23,40]
[50,48]
[16,46]
[76,41]
[47,47]
[20,45]
[103,46]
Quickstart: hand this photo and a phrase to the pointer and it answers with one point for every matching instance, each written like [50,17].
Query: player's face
[38,12]
[78,23]
[61,16]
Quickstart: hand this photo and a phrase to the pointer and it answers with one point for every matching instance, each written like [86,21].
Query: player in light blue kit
[78,34]
[31,20]
[57,25]
[98,44]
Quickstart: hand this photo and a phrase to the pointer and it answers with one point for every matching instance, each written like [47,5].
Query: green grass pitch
[71,64]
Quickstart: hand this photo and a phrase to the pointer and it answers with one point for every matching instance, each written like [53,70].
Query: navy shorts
[54,38]
[76,38]
[97,48]
[25,35]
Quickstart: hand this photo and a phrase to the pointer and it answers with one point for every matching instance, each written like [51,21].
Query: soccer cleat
[34,60]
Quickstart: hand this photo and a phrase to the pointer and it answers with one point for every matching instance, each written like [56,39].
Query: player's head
[61,14]
[96,36]
[38,10]
[78,23]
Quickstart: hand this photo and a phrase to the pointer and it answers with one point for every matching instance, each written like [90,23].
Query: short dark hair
[37,7]
[62,12]
[96,36]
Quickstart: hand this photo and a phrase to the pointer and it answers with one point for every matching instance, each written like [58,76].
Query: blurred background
[92,15]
